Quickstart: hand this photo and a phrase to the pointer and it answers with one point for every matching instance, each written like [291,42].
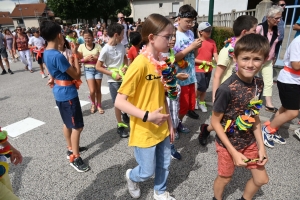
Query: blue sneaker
[278,139]
[267,137]
[174,153]
[182,129]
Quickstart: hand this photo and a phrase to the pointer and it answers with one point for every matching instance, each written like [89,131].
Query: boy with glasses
[185,51]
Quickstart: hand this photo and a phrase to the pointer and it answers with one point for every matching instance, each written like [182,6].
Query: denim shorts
[70,112]
[113,89]
[92,73]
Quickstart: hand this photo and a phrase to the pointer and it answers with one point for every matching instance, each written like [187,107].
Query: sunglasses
[282,5]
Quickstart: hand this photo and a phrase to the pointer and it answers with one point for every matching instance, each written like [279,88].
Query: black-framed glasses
[282,5]
[168,37]
[277,18]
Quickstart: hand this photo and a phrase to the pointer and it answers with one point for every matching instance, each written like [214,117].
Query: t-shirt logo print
[151,77]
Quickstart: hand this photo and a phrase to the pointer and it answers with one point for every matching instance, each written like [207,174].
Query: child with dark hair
[242,26]
[111,62]
[65,80]
[135,40]
[185,52]
[235,118]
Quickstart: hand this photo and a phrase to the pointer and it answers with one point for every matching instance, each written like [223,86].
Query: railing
[226,19]
[288,35]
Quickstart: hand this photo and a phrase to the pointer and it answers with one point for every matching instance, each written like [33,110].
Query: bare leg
[98,95]
[282,116]
[269,101]
[75,137]
[219,185]
[67,134]
[118,115]
[259,178]
[92,87]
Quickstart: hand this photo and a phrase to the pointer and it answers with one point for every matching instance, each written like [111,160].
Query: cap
[204,25]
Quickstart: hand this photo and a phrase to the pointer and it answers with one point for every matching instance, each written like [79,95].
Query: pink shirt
[259,30]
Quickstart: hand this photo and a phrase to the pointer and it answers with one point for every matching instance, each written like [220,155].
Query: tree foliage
[89,9]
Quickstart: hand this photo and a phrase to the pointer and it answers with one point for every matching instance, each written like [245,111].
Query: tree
[88,9]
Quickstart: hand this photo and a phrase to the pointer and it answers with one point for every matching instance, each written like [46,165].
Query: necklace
[166,69]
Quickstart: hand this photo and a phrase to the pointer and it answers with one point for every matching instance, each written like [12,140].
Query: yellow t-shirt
[85,52]
[145,90]
[225,60]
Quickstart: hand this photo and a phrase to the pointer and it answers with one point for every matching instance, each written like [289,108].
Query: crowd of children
[171,70]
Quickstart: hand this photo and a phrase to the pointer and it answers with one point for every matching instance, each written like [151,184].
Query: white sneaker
[164,196]
[196,104]
[43,76]
[202,107]
[133,187]
[297,132]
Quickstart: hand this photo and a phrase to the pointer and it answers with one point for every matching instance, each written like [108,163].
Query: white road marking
[22,126]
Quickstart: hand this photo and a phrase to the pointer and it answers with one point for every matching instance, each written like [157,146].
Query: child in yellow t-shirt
[142,95]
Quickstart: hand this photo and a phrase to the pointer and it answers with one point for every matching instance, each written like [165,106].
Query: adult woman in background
[20,43]
[269,29]
[9,43]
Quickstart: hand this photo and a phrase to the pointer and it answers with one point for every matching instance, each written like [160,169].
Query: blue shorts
[70,112]
[113,89]
[92,73]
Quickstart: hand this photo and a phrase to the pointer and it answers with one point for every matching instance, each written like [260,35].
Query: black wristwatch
[145,116]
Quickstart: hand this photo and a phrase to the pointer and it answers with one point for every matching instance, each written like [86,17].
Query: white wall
[31,22]
[143,9]
[221,6]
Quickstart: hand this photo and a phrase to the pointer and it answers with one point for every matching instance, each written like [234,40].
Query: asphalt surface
[46,174]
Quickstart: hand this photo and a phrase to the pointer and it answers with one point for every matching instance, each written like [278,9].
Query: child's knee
[260,181]
[293,113]
[224,179]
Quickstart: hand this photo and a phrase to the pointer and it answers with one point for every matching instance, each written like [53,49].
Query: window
[160,5]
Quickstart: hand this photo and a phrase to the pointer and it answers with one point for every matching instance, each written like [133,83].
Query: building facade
[30,15]
[143,8]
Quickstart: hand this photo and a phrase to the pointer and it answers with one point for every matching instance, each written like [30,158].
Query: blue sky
[9,5]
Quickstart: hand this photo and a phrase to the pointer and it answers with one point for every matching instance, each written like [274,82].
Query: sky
[9,5]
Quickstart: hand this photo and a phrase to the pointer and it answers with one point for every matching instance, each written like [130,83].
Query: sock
[69,148]
[202,102]
[270,130]
[121,124]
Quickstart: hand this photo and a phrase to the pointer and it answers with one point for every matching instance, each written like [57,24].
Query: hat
[204,25]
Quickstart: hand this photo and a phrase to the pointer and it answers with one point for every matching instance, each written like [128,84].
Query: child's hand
[73,48]
[157,118]
[118,77]
[197,43]
[182,76]
[262,154]
[238,159]
[16,157]
[51,82]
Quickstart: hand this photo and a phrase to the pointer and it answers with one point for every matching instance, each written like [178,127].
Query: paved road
[46,173]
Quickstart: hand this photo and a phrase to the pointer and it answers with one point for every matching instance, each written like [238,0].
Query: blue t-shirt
[57,65]
[183,40]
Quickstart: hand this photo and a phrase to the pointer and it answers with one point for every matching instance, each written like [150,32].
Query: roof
[5,18]
[29,10]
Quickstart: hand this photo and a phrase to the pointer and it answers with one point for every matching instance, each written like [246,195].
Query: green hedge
[220,34]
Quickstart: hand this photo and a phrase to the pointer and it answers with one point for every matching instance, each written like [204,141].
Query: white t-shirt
[292,54]
[38,42]
[112,57]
